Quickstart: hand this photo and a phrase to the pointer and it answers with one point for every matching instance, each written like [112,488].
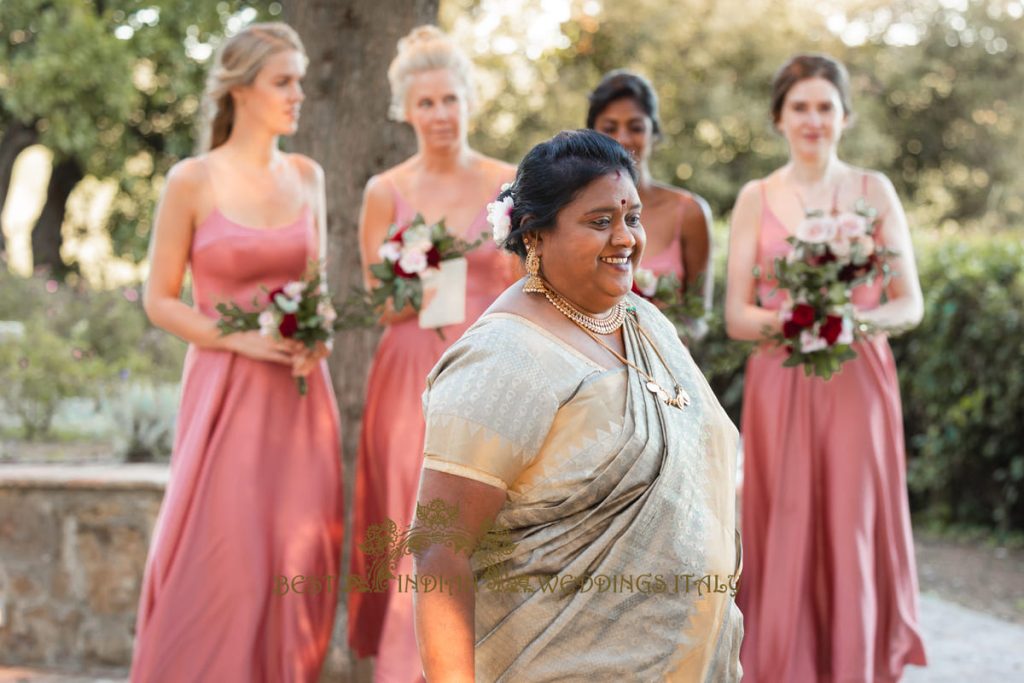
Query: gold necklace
[681,399]
[605,325]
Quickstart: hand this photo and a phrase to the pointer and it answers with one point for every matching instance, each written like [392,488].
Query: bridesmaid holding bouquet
[431,90]
[829,591]
[255,490]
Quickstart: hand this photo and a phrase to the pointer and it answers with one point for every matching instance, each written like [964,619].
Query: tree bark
[345,127]
[16,139]
[46,235]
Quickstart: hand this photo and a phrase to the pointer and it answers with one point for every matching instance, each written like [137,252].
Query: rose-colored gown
[254,493]
[670,260]
[391,451]
[829,588]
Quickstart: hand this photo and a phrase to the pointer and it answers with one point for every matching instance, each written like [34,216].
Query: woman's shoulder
[508,345]
[874,186]
[190,172]
[309,170]
[496,171]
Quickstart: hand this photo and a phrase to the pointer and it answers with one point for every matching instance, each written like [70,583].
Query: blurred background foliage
[112,89]
[937,89]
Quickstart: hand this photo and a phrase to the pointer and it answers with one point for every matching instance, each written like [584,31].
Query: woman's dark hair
[621,84]
[553,173]
[806,66]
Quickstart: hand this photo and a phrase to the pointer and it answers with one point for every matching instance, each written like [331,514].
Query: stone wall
[73,543]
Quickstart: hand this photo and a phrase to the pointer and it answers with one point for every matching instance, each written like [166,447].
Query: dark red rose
[803,315]
[275,292]
[790,329]
[289,325]
[401,273]
[789,349]
[831,329]
[433,258]
[827,257]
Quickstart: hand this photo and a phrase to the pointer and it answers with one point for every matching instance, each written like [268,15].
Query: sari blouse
[619,512]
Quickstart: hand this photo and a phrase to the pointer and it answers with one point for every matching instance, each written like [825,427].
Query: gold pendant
[681,400]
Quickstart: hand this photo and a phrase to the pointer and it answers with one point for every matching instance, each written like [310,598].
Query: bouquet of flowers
[831,255]
[299,310]
[420,254]
[666,292]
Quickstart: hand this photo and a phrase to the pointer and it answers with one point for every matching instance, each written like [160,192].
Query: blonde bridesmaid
[254,497]
[431,86]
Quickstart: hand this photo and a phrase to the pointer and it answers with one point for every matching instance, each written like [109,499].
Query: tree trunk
[16,138]
[46,235]
[345,127]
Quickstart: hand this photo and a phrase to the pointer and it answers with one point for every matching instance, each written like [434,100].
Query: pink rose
[851,225]
[816,230]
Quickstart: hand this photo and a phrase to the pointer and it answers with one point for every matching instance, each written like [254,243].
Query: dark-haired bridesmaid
[624,106]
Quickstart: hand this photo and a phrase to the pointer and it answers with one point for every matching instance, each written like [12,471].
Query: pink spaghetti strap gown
[391,452]
[254,492]
[669,260]
[829,588]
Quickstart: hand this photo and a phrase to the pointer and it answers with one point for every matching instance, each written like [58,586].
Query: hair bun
[427,33]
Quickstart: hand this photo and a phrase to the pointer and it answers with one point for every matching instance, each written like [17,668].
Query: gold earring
[534,284]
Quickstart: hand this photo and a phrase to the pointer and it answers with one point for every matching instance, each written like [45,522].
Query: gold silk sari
[627,505]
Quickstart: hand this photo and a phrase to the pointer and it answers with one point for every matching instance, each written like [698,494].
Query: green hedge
[77,342]
[962,380]
[961,377]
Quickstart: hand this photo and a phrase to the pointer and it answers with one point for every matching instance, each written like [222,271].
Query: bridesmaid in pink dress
[829,589]
[624,107]
[430,84]
[255,487]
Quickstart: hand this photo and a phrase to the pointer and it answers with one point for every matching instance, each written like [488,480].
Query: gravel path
[962,645]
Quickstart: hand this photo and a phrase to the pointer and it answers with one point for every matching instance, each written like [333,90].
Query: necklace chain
[613,322]
[607,325]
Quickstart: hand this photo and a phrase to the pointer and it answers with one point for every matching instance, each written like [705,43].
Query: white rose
[839,246]
[390,251]
[846,335]
[816,230]
[646,281]
[413,261]
[294,289]
[268,323]
[326,311]
[811,341]
[851,225]
[417,238]
[499,215]
[867,245]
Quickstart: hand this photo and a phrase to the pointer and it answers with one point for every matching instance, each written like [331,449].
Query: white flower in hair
[499,215]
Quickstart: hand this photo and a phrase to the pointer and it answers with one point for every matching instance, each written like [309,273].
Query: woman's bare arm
[445,623]
[905,306]
[744,319]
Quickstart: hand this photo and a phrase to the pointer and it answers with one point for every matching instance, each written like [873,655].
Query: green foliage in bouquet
[362,308]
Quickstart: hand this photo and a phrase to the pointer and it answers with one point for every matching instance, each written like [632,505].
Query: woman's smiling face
[597,242]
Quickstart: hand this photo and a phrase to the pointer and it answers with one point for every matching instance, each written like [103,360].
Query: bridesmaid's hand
[260,347]
[390,316]
[306,360]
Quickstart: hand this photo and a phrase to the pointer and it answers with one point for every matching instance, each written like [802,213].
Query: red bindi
[623,201]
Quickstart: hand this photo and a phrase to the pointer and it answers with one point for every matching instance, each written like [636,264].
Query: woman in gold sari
[572,419]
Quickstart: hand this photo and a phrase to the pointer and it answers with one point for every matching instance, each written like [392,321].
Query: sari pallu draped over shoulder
[621,555]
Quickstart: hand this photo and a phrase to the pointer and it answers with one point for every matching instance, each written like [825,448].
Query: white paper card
[444,294]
